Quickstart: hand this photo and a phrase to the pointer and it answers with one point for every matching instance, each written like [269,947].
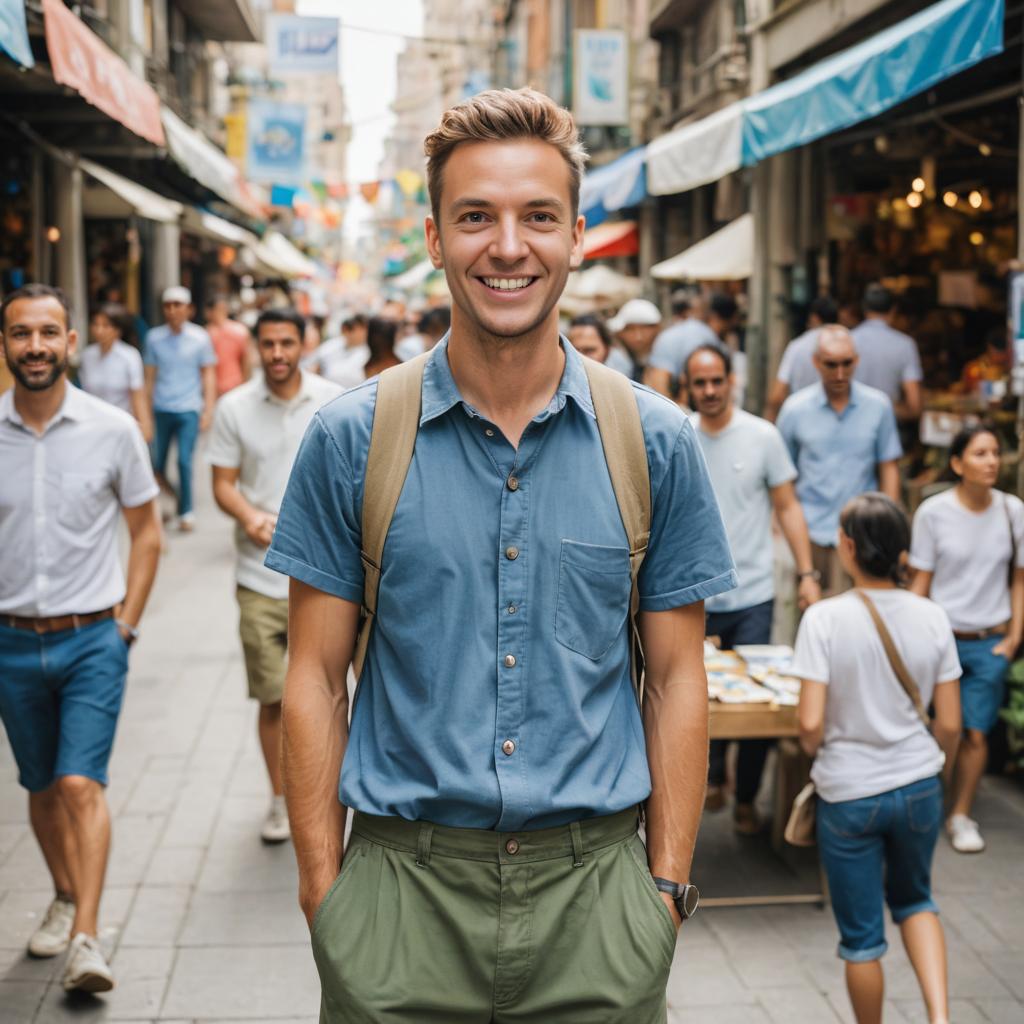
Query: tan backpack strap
[396,421]
[895,660]
[625,452]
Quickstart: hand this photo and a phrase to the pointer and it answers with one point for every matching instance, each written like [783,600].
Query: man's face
[176,315]
[506,235]
[37,342]
[587,340]
[639,338]
[710,386]
[836,362]
[218,312]
[280,348]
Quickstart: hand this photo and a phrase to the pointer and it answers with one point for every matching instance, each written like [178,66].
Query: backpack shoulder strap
[396,420]
[625,452]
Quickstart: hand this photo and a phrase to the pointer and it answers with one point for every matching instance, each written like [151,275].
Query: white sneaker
[86,969]
[187,522]
[54,934]
[964,834]
[275,825]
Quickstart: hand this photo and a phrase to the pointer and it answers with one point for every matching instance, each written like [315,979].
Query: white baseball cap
[177,293]
[636,311]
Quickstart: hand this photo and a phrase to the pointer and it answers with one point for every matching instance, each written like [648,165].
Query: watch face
[690,900]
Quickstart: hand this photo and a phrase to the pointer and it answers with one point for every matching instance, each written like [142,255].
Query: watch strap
[674,889]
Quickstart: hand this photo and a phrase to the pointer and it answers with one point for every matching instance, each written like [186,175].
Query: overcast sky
[368,70]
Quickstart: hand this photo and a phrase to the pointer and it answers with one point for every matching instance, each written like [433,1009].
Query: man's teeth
[507,284]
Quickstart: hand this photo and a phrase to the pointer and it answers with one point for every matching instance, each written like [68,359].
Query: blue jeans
[744,626]
[185,427]
[874,848]
[60,695]
[983,683]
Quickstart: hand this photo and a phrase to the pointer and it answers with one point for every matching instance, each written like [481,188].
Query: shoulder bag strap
[625,452]
[895,660]
[396,420]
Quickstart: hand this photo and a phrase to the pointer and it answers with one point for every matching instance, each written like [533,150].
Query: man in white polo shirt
[256,433]
[69,463]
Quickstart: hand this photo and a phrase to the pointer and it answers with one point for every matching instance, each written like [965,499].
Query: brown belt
[55,623]
[983,634]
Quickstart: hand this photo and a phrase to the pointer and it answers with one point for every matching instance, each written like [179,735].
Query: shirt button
[512,553]
[508,748]
[513,484]
[489,432]
[512,609]
[510,661]
[512,847]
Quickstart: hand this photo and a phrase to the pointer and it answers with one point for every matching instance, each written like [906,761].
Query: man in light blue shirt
[843,438]
[796,368]
[180,377]
[700,325]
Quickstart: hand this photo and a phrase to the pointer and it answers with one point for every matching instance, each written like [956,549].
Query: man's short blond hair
[496,116]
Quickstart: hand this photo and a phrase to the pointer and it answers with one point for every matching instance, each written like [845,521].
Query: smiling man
[496,756]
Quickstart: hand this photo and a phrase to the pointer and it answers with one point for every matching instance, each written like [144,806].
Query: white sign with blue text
[302,46]
[601,77]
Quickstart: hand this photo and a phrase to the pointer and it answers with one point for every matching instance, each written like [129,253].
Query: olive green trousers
[434,925]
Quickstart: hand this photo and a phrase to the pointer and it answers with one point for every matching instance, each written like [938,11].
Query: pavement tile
[17,965]
[685,1014]
[157,916]
[1000,1011]
[257,918]
[784,1006]
[19,1000]
[960,1010]
[174,865]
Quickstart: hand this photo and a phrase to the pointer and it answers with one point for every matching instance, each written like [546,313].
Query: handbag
[800,828]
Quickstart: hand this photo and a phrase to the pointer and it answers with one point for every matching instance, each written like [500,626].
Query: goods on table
[752,674]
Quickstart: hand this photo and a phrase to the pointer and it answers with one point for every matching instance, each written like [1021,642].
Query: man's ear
[576,256]
[433,236]
[72,341]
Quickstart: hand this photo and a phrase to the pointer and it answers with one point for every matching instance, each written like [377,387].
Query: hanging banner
[369,191]
[600,77]
[276,151]
[302,46]
[14,32]
[409,182]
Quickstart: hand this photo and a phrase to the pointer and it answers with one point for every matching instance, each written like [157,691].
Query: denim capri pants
[879,849]
[983,683]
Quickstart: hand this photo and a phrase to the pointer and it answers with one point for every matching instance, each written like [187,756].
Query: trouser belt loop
[577,845]
[423,844]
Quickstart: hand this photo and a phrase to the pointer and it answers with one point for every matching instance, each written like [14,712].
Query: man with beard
[753,476]
[497,752]
[257,428]
[69,462]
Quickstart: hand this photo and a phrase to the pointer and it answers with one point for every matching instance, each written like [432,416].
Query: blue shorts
[983,683]
[60,695]
[875,849]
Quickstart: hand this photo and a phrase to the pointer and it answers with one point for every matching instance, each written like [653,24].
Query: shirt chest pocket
[81,499]
[593,597]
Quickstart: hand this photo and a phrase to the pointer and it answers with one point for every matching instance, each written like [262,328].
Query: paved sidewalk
[202,918]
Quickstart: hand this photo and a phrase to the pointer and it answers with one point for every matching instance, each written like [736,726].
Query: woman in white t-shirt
[876,765]
[112,369]
[964,542]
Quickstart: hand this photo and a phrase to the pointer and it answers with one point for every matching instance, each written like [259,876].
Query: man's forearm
[143,559]
[794,529]
[230,500]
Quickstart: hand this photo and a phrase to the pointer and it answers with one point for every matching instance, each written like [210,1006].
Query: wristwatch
[685,897]
[133,633]
[815,575]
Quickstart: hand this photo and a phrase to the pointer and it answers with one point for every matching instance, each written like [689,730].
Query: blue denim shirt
[496,691]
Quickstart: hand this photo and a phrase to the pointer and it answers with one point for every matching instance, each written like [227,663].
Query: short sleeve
[207,354]
[688,557]
[148,351]
[811,654]
[912,367]
[786,424]
[923,555]
[785,370]
[779,468]
[318,537]
[135,481]
[667,353]
[888,447]
[225,445]
[136,373]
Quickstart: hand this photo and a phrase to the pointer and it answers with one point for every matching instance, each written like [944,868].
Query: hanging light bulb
[950,198]
[914,200]
[984,149]
[918,184]
[53,235]
[976,238]
[975,199]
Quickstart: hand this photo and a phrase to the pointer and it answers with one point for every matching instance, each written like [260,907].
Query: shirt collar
[70,408]
[823,398]
[440,392]
[304,393]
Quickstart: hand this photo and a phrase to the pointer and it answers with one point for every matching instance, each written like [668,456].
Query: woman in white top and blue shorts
[876,766]
[968,544]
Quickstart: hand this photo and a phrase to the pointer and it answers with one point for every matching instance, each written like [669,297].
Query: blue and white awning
[615,186]
[845,89]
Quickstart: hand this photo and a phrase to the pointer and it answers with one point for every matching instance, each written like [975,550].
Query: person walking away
[889,360]
[796,369]
[590,337]
[69,462]
[111,367]
[675,344]
[182,388]
[380,340]
[495,692]
[752,475]
[342,359]
[635,326]
[431,328]
[843,439]
[256,433]
[231,344]
[877,762]
[968,556]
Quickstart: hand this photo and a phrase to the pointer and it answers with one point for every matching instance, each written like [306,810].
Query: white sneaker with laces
[54,934]
[275,825]
[964,834]
[187,522]
[86,969]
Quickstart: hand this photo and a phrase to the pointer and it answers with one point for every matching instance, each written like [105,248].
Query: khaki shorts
[263,625]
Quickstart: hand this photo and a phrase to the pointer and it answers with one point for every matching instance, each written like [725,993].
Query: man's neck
[509,380]
[838,402]
[37,408]
[286,390]
[883,317]
[716,424]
